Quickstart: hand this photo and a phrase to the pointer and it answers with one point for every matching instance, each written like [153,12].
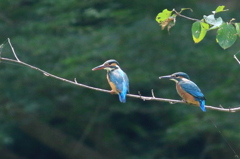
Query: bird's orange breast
[112,85]
[186,96]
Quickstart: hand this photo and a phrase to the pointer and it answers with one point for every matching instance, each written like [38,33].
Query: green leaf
[214,22]
[226,35]
[166,18]
[237,25]
[199,30]
[220,9]
[164,15]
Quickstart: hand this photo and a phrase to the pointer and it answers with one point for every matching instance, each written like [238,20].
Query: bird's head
[108,65]
[178,76]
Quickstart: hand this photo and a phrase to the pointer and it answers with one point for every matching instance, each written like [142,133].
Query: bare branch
[144,98]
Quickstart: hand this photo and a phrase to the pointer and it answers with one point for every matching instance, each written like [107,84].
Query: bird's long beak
[168,77]
[98,67]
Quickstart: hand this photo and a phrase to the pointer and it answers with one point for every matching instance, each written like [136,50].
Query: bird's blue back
[120,80]
[191,88]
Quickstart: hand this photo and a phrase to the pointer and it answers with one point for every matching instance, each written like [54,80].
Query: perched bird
[187,89]
[117,79]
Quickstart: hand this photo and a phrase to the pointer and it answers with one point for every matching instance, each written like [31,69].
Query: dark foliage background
[45,118]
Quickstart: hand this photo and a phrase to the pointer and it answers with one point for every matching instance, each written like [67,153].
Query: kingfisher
[187,89]
[116,78]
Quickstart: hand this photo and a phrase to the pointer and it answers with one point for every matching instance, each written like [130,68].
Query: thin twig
[153,94]
[153,98]
[179,14]
[13,50]
[141,96]
[236,57]
[75,80]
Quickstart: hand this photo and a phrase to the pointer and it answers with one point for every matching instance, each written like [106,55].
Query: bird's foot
[184,101]
[112,92]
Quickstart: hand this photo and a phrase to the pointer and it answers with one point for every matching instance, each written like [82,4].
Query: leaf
[199,30]
[226,35]
[237,25]
[220,9]
[164,15]
[214,22]
[165,18]
[170,22]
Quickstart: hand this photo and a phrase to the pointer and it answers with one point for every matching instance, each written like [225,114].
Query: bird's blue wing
[125,77]
[191,88]
[120,79]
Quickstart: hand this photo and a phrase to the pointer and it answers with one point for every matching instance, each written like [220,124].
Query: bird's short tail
[122,97]
[202,105]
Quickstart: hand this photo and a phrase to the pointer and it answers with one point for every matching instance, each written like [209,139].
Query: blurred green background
[44,118]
